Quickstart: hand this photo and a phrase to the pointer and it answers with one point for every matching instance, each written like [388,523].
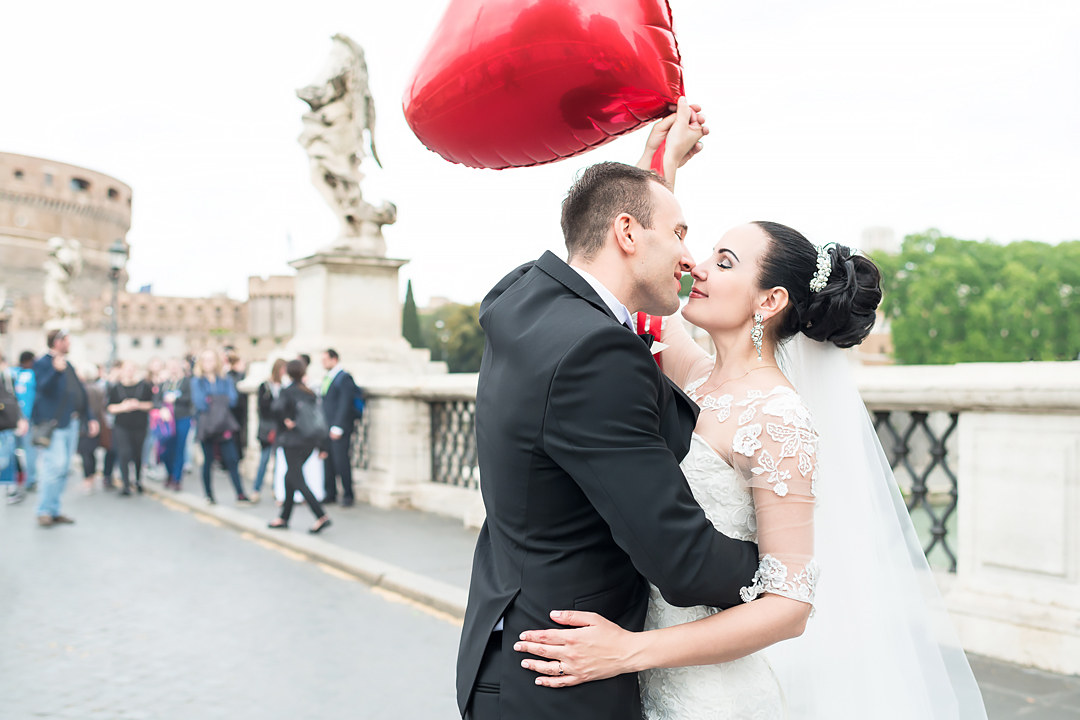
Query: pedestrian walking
[214,395]
[338,394]
[155,376]
[59,405]
[12,423]
[236,371]
[88,443]
[108,470]
[25,453]
[130,401]
[301,429]
[176,392]
[267,431]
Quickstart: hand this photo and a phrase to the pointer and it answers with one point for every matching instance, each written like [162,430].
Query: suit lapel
[550,263]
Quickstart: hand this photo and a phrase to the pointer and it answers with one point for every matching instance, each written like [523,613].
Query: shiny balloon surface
[513,83]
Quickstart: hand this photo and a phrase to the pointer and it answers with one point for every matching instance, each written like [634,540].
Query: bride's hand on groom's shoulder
[594,649]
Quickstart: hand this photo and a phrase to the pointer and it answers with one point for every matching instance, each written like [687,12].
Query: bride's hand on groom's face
[594,650]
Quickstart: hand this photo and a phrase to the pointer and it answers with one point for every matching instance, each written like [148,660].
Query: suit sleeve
[602,427]
[343,415]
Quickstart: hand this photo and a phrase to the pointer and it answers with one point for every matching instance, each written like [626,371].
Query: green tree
[456,336]
[410,320]
[951,300]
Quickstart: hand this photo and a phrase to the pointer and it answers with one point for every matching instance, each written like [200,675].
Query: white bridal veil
[880,644]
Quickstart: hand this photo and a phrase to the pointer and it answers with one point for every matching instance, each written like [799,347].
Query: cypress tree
[410,320]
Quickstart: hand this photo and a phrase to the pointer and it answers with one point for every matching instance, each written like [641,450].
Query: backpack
[9,404]
[358,402]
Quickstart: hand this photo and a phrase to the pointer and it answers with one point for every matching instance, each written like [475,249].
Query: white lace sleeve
[683,360]
[775,450]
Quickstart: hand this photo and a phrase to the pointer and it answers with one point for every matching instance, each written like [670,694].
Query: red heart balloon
[513,83]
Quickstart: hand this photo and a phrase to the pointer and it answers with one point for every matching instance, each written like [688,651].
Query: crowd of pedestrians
[124,420]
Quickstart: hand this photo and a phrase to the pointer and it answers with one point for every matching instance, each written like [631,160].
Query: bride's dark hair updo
[843,311]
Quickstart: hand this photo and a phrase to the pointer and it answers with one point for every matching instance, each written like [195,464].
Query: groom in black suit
[580,437]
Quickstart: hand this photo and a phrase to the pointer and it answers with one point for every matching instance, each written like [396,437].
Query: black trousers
[87,446]
[294,480]
[484,704]
[128,443]
[337,465]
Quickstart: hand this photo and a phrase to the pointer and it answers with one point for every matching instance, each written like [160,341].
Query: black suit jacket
[579,437]
[337,403]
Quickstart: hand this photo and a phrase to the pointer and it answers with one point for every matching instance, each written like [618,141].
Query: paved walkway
[427,559]
[142,610]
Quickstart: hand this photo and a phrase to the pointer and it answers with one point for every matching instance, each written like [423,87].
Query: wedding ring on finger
[561,672]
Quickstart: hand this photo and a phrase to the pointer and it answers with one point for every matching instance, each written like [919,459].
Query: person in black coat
[268,422]
[579,439]
[338,392]
[298,442]
[129,401]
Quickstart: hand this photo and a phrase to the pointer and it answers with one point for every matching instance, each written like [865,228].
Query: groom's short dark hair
[603,192]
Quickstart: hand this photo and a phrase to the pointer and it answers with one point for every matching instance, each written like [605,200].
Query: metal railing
[359,446]
[918,445]
[453,443]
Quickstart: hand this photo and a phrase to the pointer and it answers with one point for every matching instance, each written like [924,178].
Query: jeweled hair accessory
[824,268]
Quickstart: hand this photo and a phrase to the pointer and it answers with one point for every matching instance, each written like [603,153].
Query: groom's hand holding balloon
[680,135]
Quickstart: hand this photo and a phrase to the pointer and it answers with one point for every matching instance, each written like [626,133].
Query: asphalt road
[143,610]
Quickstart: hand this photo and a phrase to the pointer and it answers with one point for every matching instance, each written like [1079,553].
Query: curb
[429,592]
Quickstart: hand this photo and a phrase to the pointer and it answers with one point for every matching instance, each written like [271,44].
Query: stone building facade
[41,199]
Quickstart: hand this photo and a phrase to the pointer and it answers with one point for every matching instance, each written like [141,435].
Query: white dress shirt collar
[617,308]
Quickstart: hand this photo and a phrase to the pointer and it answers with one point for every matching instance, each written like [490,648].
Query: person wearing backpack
[301,428]
[213,395]
[12,423]
[338,394]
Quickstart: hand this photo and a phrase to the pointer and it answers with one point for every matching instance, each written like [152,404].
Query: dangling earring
[757,333]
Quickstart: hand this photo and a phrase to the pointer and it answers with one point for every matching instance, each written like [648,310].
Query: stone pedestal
[350,302]
[399,445]
[1017,590]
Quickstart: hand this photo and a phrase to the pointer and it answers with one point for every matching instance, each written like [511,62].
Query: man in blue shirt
[60,403]
[12,423]
[25,388]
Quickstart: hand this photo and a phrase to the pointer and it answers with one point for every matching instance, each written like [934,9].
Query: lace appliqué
[772,577]
[721,405]
[795,438]
[727,501]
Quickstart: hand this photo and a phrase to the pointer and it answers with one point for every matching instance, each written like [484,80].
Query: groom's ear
[774,302]
[623,227]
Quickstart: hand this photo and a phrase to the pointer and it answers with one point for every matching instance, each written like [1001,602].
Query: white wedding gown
[774,446]
[879,642]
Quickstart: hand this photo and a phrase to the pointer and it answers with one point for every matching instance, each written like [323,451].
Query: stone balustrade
[988,457]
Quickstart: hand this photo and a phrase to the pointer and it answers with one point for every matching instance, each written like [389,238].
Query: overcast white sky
[830,116]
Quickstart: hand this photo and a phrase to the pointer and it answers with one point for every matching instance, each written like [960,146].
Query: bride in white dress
[880,646]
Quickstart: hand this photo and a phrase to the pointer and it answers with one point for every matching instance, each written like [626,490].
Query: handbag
[267,430]
[41,433]
[162,424]
[9,405]
[217,423]
[310,423]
